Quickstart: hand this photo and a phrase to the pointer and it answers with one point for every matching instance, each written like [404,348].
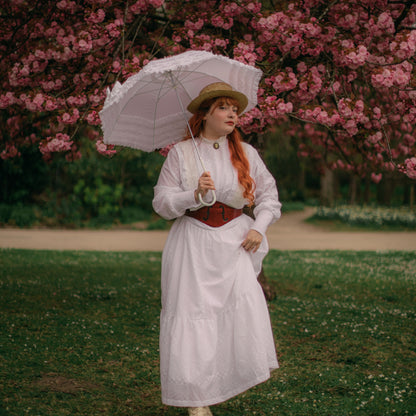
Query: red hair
[238,157]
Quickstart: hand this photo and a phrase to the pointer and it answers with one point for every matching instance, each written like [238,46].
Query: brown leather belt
[215,215]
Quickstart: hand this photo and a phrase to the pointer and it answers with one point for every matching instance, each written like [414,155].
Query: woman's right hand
[205,183]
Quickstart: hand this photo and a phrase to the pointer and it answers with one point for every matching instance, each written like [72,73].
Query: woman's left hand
[252,241]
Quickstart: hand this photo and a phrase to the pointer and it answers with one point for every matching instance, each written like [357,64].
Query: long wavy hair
[238,157]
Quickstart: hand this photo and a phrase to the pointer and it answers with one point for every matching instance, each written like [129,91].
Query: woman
[215,333]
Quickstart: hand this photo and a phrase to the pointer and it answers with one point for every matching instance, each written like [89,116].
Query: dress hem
[220,399]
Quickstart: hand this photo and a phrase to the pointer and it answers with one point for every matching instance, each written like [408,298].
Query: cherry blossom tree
[339,75]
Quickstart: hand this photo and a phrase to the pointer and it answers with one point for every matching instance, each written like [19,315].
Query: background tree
[338,75]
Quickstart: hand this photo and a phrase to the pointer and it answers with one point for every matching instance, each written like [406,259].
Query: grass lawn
[79,335]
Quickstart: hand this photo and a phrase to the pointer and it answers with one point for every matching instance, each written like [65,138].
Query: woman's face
[220,120]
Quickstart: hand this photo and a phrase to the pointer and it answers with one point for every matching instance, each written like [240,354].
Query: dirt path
[292,233]
[289,233]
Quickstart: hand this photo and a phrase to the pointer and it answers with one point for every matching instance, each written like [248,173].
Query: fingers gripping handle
[208,204]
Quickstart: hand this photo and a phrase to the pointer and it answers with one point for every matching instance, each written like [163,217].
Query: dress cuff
[187,200]
[262,221]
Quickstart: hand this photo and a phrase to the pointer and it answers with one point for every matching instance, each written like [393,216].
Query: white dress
[215,333]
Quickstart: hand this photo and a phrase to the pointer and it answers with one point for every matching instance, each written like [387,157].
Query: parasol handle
[208,204]
[174,85]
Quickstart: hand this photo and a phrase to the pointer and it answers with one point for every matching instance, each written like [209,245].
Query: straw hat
[218,89]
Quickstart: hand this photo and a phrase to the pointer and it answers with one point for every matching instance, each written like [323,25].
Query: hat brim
[242,100]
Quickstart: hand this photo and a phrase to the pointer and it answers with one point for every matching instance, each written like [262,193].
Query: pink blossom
[221,43]
[67,5]
[194,25]
[350,72]
[344,107]
[349,21]
[310,29]
[7,99]
[351,127]
[76,101]
[377,113]
[50,105]
[164,152]
[38,101]
[68,118]
[113,30]
[301,67]
[410,165]
[385,22]
[409,139]
[359,106]
[277,108]
[60,143]
[400,77]
[156,3]
[96,17]
[335,119]
[84,46]
[218,21]
[93,118]
[30,105]
[104,149]
[232,9]
[138,7]
[73,155]
[323,117]
[285,81]
[375,138]
[340,164]
[32,139]
[254,7]
[273,21]
[376,178]
[244,52]
[9,152]
[116,66]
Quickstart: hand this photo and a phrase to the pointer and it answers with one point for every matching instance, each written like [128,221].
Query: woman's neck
[212,134]
[209,136]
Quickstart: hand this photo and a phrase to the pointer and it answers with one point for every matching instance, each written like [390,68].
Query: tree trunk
[328,188]
[353,189]
[367,190]
[385,190]
[268,289]
[302,180]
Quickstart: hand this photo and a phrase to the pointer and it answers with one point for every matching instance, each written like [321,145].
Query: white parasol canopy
[148,111]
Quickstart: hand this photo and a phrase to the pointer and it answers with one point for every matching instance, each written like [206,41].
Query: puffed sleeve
[267,209]
[170,199]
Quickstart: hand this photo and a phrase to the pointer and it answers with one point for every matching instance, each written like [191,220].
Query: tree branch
[327,10]
[404,13]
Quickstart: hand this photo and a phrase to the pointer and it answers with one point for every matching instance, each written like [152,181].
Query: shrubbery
[65,214]
[93,191]
[368,216]
[19,215]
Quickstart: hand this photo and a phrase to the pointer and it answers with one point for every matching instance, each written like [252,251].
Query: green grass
[79,335]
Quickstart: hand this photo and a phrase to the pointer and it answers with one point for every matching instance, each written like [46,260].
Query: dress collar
[215,143]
